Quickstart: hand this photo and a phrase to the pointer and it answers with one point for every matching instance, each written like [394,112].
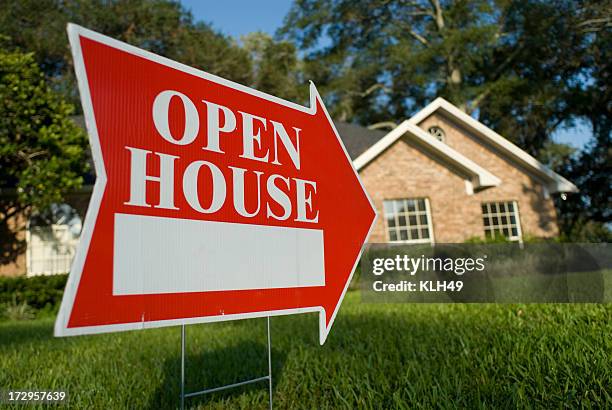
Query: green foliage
[38,292]
[42,154]
[17,311]
[500,239]
[389,356]
[276,67]
[556,155]
[380,60]
[161,26]
[586,216]
[525,68]
[584,231]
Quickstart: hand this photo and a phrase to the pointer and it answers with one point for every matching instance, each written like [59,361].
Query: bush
[479,240]
[498,238]
[15,311]
[38,292]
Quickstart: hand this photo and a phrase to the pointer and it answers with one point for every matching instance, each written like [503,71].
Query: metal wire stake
[270,362]
[182,367]
[228,386]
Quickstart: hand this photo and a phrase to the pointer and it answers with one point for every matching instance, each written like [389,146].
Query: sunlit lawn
[377,356]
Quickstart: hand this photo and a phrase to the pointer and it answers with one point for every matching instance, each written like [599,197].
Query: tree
[161,26]
[42,154]
[276,67]
[380,60]
[587,215]
[523,67]
[386,58]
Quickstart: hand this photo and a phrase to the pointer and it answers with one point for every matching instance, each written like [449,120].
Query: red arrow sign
[213,201]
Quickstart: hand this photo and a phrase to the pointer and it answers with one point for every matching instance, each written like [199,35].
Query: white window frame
[419,226]
[515,213]
[50,249]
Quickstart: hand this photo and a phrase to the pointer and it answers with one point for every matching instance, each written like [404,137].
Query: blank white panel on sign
[167,255]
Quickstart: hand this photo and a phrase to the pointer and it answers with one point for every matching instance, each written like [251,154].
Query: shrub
[38,292]
[499,238]
[18,311]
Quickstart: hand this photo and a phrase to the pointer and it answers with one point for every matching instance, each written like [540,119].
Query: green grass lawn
[377,356]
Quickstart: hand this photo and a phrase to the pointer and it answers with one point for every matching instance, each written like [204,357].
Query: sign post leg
[228,386]
[182,367]
[270,362]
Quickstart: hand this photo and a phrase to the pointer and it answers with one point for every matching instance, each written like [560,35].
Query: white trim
[517,214]
[324,329]
[555,182]
[382,144]
[469,187]
[28,247]
[61,324]
[480,176]
[430,221]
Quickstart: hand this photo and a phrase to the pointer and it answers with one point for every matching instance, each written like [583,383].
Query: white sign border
[61,323]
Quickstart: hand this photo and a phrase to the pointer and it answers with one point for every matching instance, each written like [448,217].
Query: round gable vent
[437,132]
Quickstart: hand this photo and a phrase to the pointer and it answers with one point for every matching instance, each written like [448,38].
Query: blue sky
[239,17]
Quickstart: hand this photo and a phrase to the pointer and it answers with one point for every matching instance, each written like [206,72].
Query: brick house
[440,176]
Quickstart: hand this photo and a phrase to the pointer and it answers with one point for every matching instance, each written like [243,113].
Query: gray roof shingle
[357,139]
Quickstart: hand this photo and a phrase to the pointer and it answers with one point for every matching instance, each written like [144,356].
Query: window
[501,218]
[408,220]
[52,238]
[438,133]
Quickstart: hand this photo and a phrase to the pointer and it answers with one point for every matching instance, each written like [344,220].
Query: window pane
[514,232]
[388,207]
[484,209]
[504,220]
[510,207]
[502,207]
[506,232]
[400,206]
[392,235]
[407,219]
[494,208]
[512,219]
[495,221]
[485,221]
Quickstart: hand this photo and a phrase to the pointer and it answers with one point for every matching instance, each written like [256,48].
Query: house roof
[554,182]
[480,177]
[357,139]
